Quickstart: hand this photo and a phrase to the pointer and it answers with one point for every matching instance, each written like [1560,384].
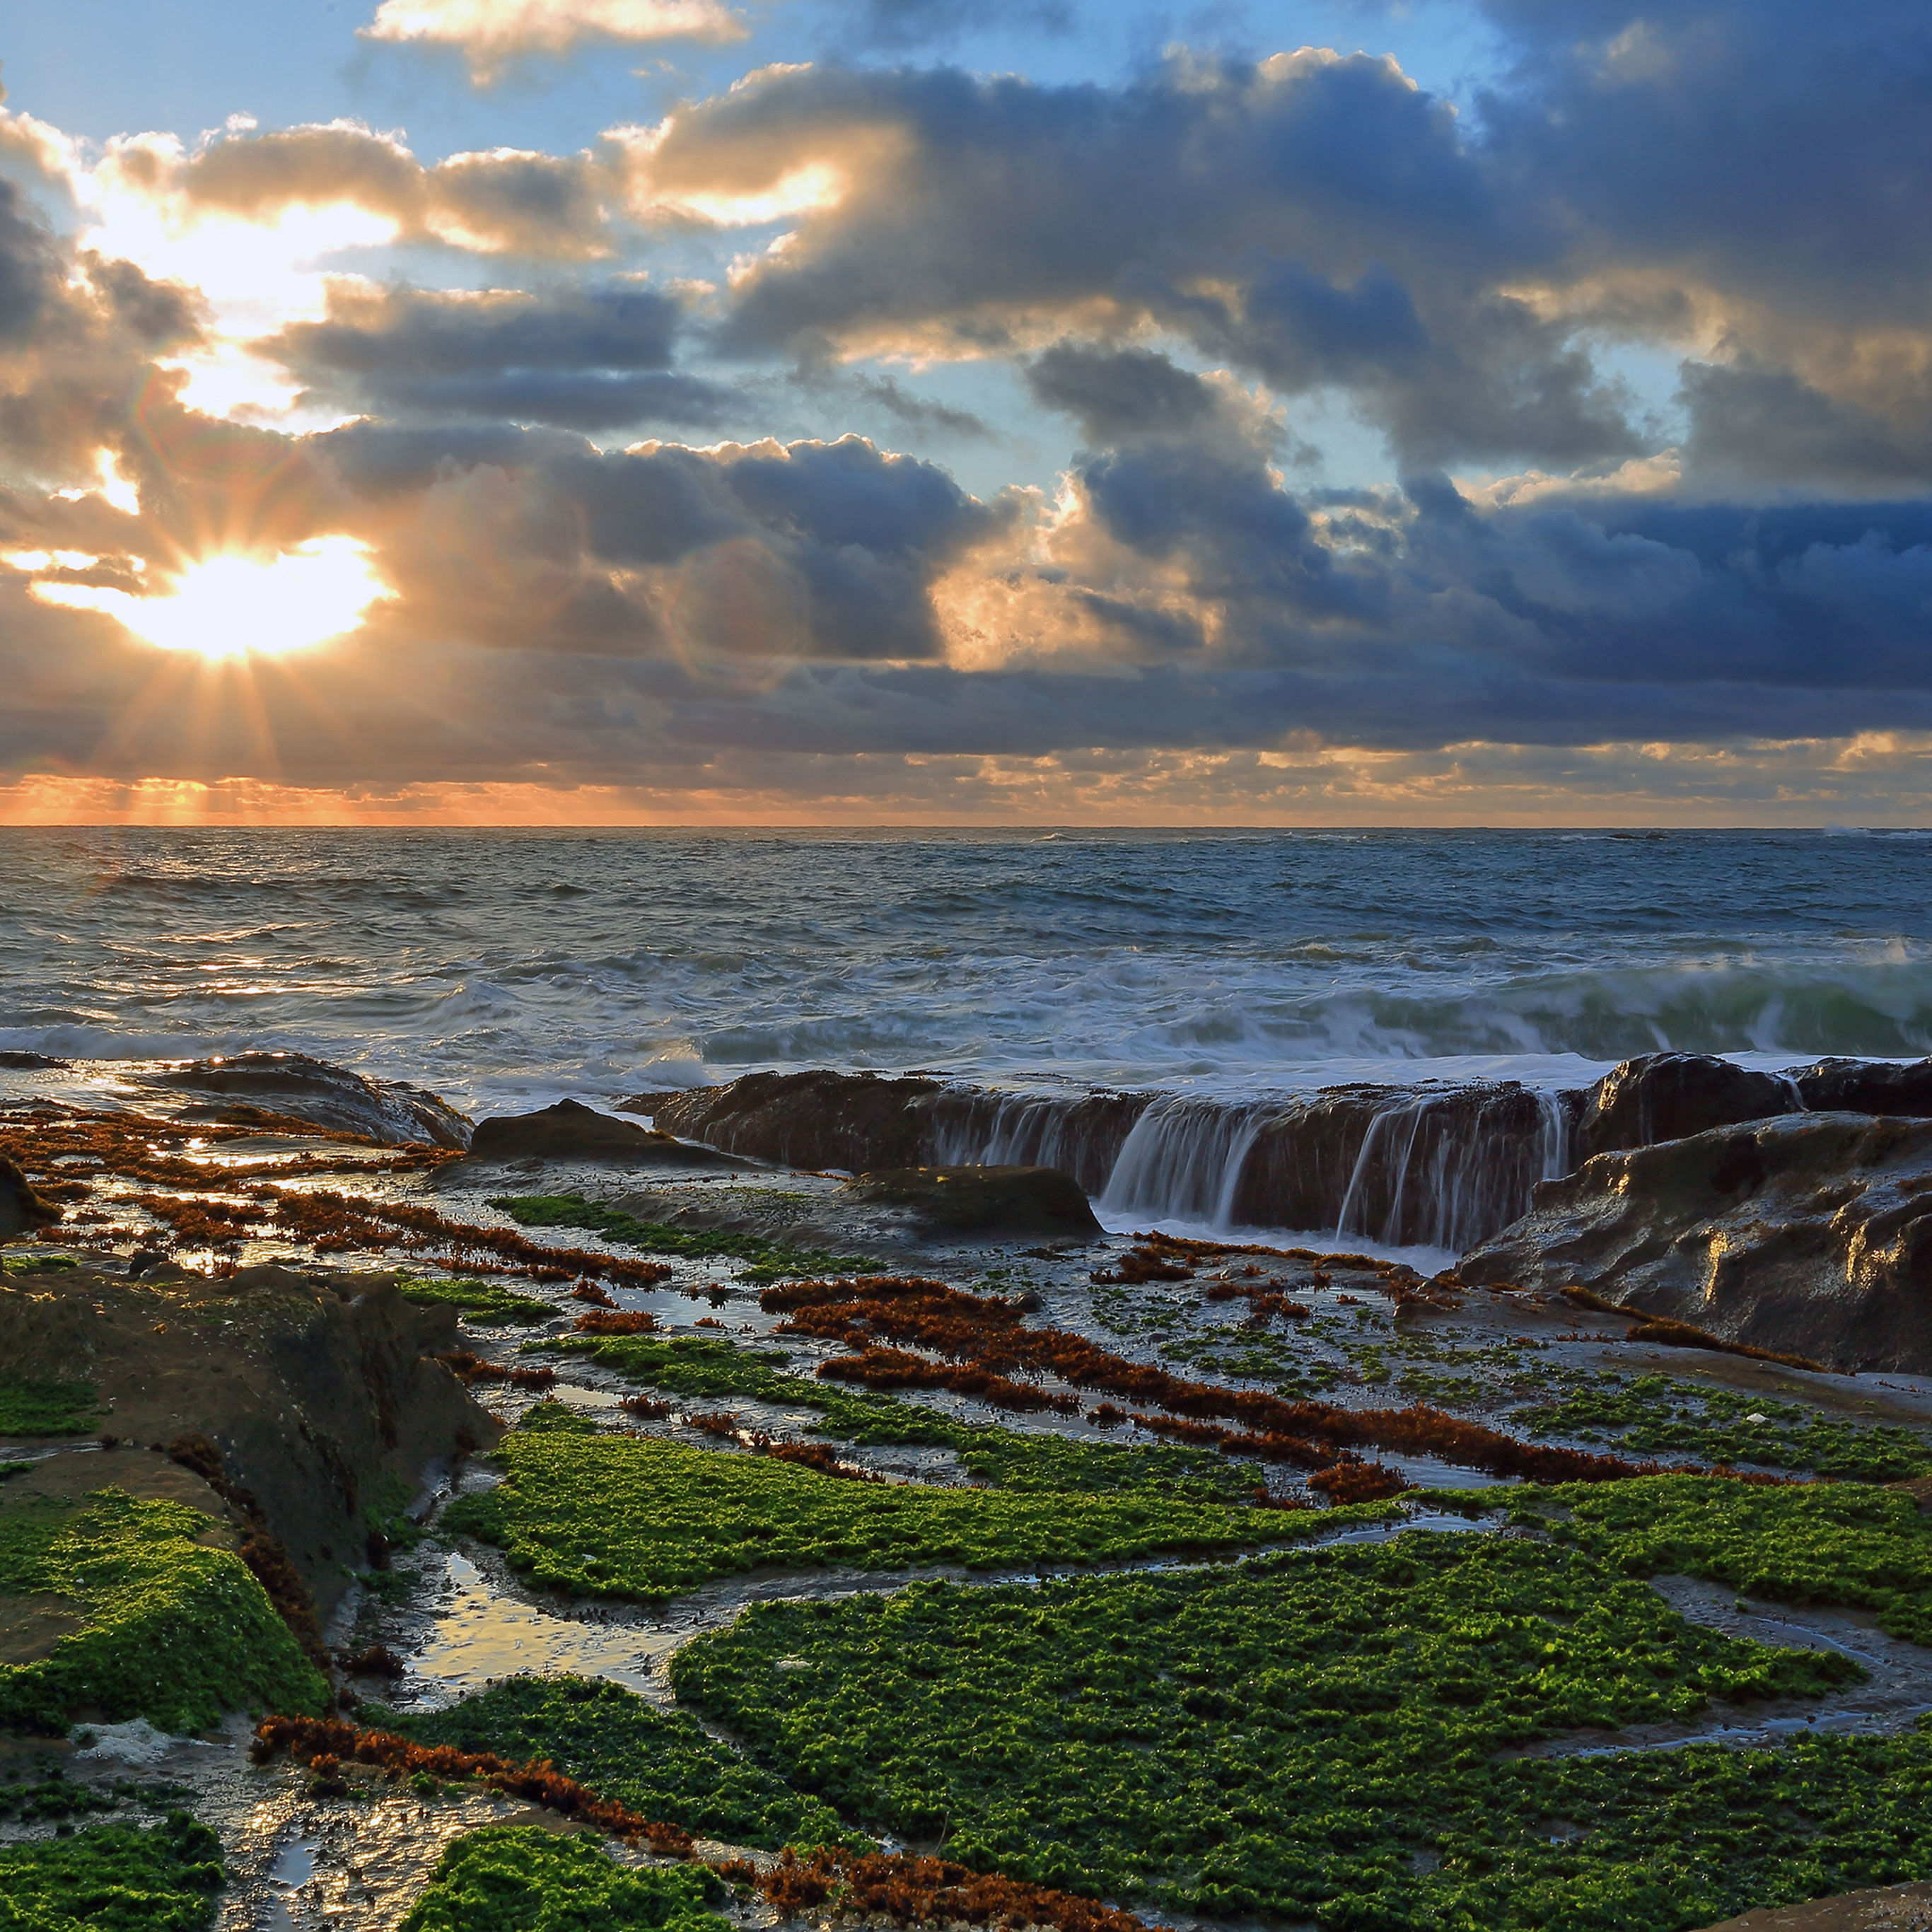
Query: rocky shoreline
[418,1404]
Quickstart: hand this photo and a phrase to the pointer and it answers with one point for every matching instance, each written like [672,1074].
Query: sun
[226,606]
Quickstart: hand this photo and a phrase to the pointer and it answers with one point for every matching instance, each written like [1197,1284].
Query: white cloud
[492,31]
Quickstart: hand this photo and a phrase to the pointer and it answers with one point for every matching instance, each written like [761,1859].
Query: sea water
[506,968]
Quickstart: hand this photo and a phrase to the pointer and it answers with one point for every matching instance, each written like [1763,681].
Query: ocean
[504,969]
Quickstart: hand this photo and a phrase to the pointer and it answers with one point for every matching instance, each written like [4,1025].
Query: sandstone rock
[388,1110]
[1808,1234]
[1867,1086]
[572,1131]
[22,1211]
[1663,1097]
[988,1201]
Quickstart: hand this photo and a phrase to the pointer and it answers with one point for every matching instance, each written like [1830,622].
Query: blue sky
[1490,410]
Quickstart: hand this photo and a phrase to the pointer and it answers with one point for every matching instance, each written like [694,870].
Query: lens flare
[227,606]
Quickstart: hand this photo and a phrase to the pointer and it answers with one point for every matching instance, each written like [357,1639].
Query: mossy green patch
[631,1517]
[512,1878]
[113,1879]
[1317,1737]
[704,1367]
[487,1304]
[165,1628]
[663,1765]
[1817,1542]
[30,1406]
[1659,1415]
[770,1261]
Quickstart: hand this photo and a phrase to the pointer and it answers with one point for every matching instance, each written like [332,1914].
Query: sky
[787,412]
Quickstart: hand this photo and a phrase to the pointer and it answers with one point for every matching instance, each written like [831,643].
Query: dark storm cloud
[1742,179]
[815,550]
[1114,393]
[587,358]
[1313,220]
[29,268]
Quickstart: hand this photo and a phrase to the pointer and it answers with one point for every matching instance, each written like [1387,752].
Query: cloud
[910,23]
[594,358]
[491,32]
[1314,219]
[1758,164]
[29,271]
[503,201]
[1115,394]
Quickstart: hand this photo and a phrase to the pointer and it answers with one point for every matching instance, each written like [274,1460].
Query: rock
[1919,1489]
[816,1119]
[988,1201]
[1890,1908]
[653,1098]
[1808,1234]
[317,1393]
[332,1097]
[1663,1097]
[572,1131]
[1867,1086]
[22,1211]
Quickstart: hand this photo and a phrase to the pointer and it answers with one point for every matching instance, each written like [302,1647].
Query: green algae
[1843,1544]
[769,1260]
[37,1406]
[521,1878]
[164,1626]
[1320,1736]
[486,1303]
[637,1518]
[113,1878]
[1008,1459]
[1658,1414]
[664,1766]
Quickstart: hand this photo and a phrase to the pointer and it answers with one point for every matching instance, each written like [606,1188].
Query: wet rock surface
[1664,1096]
[22,1209]
[571,1131]
[1810,1235]
[1009,1203]
[391,1112]
[313,1390]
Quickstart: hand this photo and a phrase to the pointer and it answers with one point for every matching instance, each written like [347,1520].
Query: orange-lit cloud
[490,32]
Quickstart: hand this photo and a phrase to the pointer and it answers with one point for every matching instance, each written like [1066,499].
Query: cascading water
[1183,1161]
[1441,1167]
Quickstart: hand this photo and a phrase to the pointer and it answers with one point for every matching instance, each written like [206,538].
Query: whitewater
[506,968]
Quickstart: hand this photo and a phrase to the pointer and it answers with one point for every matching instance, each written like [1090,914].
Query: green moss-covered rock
[31,1406]
[629,1517]
[151,1621]
[663,1765]
[113,1879]
[510,1878]
[487,1304]
[1321,1737]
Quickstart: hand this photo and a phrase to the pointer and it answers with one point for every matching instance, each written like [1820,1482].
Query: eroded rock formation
[332,1097]
[1808,1234]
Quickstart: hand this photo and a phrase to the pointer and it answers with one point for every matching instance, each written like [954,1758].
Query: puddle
[481,1634]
